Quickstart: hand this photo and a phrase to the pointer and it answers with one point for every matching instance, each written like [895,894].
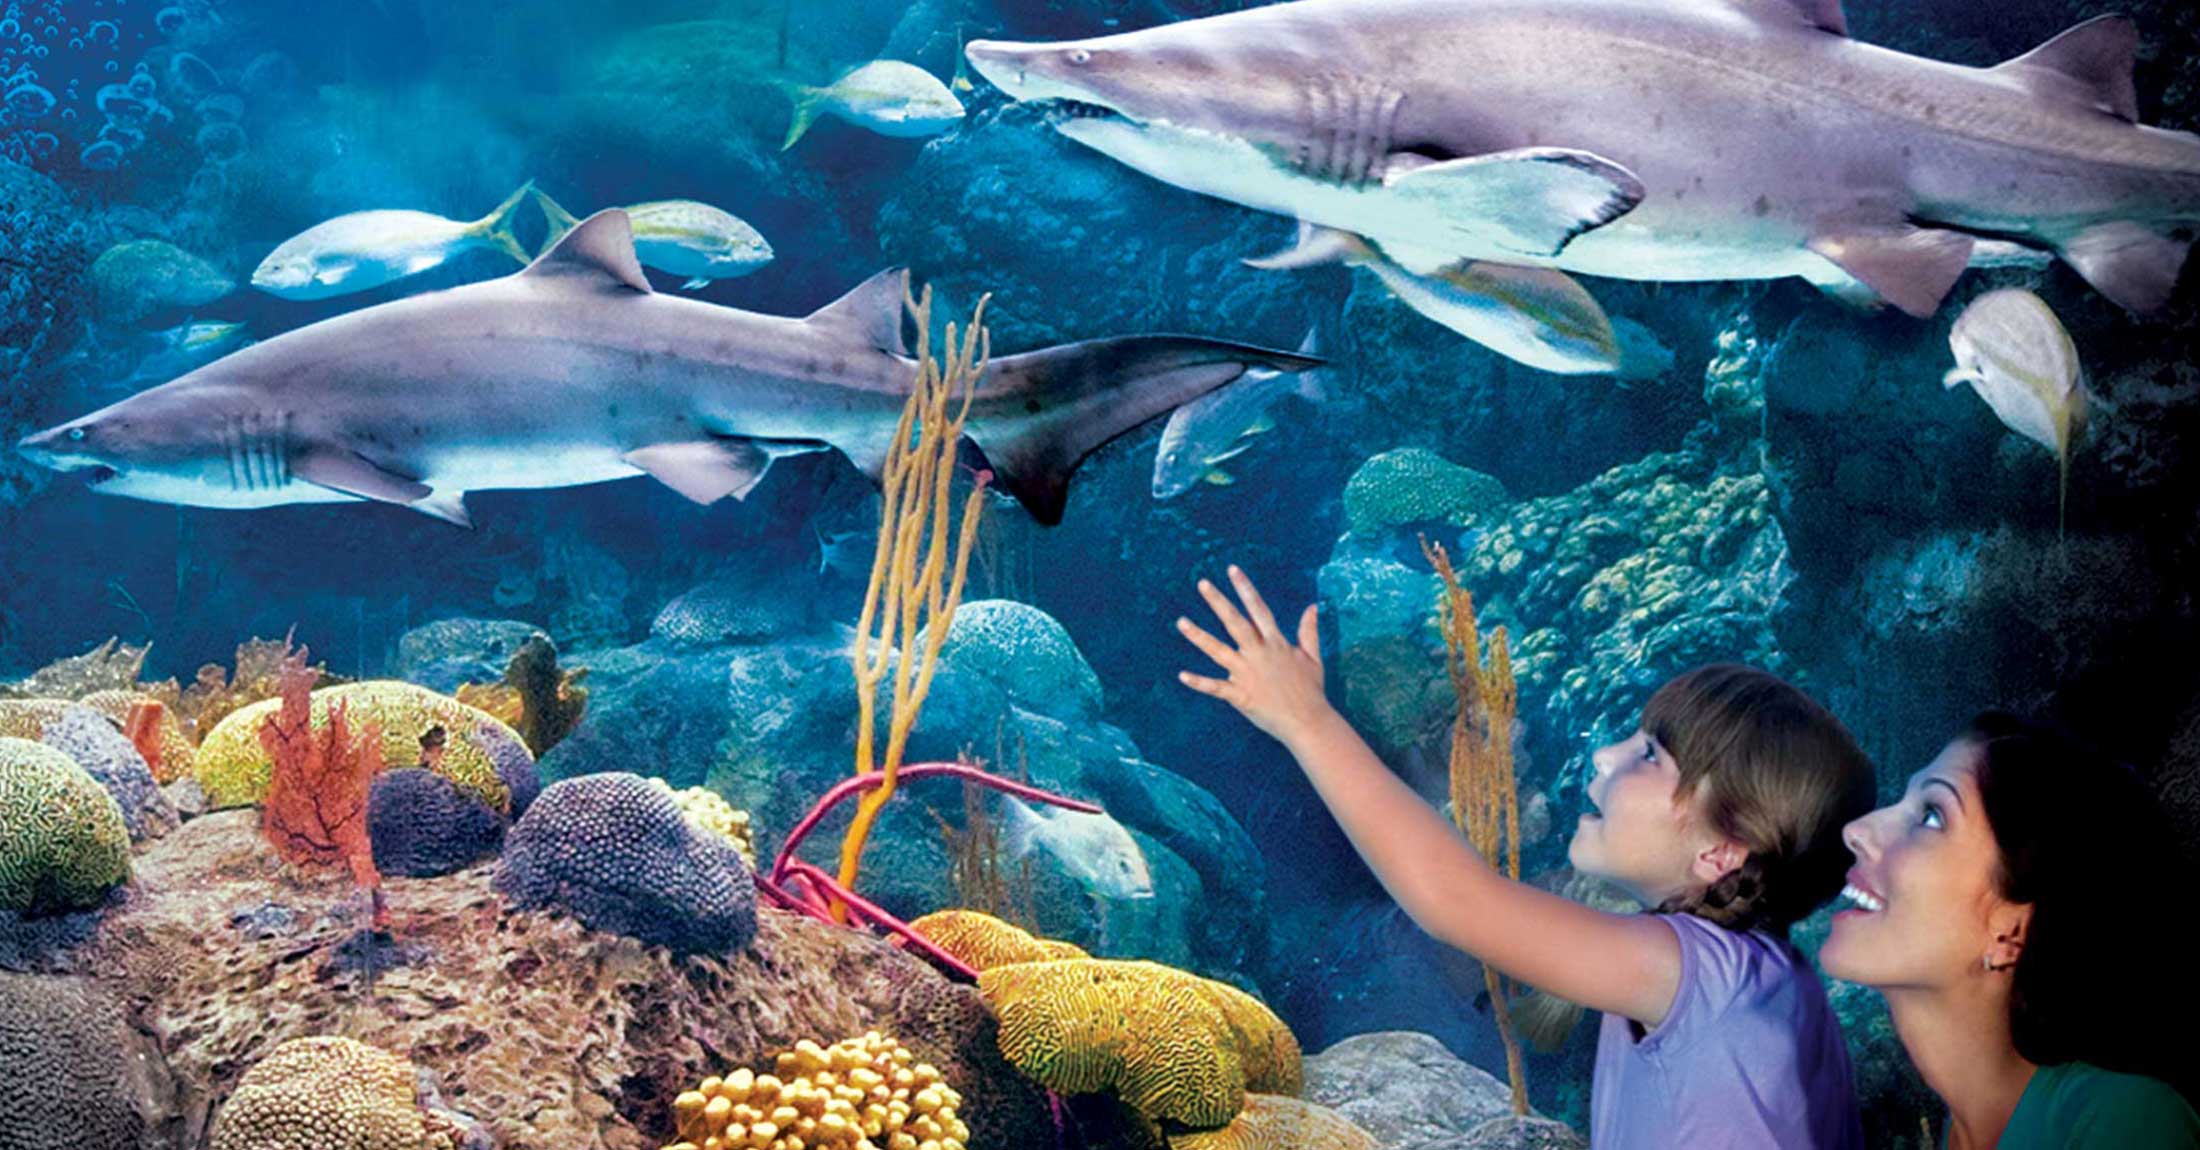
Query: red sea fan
[316,810]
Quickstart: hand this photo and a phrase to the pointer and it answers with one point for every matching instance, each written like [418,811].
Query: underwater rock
[422,824]
[1414,485]
[1412,1094]
[448,652]
[63,842]
[617,854]
[650,713]
[91,739]
[74,1074]
[493,1002]
[1026,653]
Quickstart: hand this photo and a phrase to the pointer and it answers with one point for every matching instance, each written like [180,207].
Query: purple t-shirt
[1750,1055]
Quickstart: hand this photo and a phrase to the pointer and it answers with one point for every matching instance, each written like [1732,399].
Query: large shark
[573,371]
[1641,139]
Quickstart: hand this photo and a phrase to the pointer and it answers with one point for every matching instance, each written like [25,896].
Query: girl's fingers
[1204,685]
[1255,606]
[1241,632]
[1310,633]
[1215,649]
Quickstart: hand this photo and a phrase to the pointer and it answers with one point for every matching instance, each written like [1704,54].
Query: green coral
[1415,485]
[63,842]
[234,769]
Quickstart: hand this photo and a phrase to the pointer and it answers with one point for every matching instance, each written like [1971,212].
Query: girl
[1723,812]
[2011,909]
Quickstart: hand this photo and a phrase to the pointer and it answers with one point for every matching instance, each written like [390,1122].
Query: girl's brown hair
[1778,774]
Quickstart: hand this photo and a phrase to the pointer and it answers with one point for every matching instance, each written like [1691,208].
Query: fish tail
[1044,411]
[555,219]
[1545,1019]
[808,102]
[495,229]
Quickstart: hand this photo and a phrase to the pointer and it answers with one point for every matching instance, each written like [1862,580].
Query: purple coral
[615,852]
[423,824]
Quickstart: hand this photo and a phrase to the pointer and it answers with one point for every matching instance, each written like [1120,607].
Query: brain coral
[1275,1122]
[108,756]
[64,1067]
[323,1093]
[867,1093]
[63,843]
[709,811]
[984,942]
[1413,484]
[176,748]
[616,853]
[1026,653]
[422,824]
[480,754]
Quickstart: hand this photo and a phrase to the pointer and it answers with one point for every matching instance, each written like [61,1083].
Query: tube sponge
[63,843]
[865,1093]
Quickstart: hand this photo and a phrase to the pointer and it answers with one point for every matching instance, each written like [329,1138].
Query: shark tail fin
[556,220]
[2132,264]
[495,229]
[808,103]
[1039,414]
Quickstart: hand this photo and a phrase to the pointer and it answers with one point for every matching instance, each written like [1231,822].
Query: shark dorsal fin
[2090,63]
[601,246]
[872,308]
[1822,14]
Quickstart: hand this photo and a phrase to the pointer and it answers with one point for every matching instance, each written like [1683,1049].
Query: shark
[1665,140]
[574,371]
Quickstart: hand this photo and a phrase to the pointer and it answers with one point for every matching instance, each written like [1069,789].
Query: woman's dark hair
[1778,774]
[2103,976]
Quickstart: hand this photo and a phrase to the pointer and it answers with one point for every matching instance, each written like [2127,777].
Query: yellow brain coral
[176,748]
[984,942]
[707,811]
[1273,1122]
[865,1093]
[323,1094]
[234,769]
[1268,1049]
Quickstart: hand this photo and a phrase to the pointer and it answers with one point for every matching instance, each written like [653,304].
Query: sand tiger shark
[1640,139]
[573,371]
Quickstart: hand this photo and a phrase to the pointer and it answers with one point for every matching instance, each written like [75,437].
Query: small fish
[1210,430]
[2013,351]
[362,250]
[680,237]
[134,279]
[885,96]
[844,552]
[1094,849]
[1537,316]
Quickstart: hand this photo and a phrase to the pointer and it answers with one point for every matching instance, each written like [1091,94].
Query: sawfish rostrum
[1642,139]
[573,371]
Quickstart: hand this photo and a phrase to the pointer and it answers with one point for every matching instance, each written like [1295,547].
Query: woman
[2017,908]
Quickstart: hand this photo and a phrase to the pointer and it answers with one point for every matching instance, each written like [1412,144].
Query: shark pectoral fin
[871,311]
[2128,262]
[340,469]
[1530,200]
[1314,246]
[2089,63]
[1909,267]
[706,470]
[449,506]
[598,252]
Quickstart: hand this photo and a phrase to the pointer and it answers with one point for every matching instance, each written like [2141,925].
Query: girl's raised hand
[1270,680]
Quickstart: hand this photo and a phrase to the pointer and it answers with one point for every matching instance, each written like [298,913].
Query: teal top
[2079,1106]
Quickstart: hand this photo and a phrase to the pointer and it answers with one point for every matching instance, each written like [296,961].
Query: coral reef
[176,748]
[63,842]
[714,815]
[1279,1122]
[739,604]
[480,754]
[983,942]
[422,825]
[1027,654]
[615,852]
[449,652]
[324,1093]
[1406,1090]
[110,666]
[1415,485]
[867,1093]
[315,813]
[73,1074]
[107,755]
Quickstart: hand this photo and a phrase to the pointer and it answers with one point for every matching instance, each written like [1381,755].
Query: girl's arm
[1623,964]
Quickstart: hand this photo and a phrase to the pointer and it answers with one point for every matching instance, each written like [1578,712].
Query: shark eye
[1079,56]
[76,435]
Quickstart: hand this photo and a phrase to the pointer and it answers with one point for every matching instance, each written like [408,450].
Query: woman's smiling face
[1925,907]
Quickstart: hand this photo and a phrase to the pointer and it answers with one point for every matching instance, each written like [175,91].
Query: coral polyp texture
[63,842]
[93,742]
[615,852]
[983,942]
[868,1093]
[324,1093]
[711,813]
[1277,1122]
[176,748]
[67,1062]
[422,824]
[479,753]
[1171,1044]
[1416,485]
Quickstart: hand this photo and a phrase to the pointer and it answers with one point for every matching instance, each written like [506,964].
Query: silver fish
[884,96]
[2016,354]
[1094,849]
[1208,431]
[362,250]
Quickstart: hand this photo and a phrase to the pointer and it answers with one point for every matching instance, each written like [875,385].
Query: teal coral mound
[66,1067]
[1415,485]
[480,754]
[614,851]
[63,842]
[1024,652]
